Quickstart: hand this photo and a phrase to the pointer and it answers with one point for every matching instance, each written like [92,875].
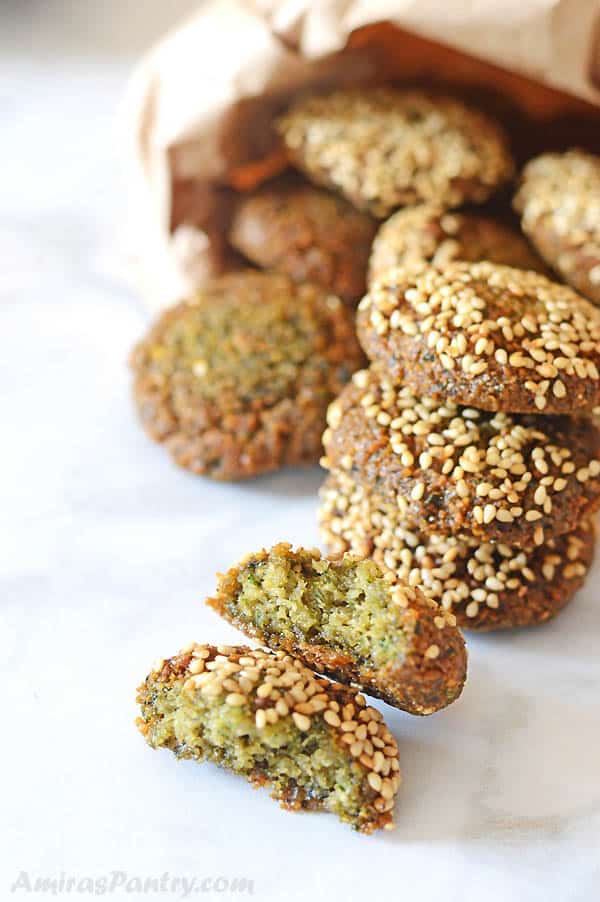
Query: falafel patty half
[384,147]
[514,478]
[236,380]
[344,618]
[427,233]
[485,334]
[559,201]
[486,585]
[266,716]
[310,234]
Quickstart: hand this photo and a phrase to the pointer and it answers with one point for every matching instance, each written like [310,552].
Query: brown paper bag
[200,107]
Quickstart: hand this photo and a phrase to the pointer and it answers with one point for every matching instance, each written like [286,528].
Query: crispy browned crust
[233,434]
[355,521]
[404,337]
[310,234]
[426,233]
[384,148]
[359,444]
[420,683]
[559,200]
[172,674]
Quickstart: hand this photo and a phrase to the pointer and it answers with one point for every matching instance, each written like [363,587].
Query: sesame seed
[374,781]
[331,718]
[504,516]
[260,719]
[418,491]
[301,721]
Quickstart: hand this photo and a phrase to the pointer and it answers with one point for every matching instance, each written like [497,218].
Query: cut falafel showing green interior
[346,619]
[240,708]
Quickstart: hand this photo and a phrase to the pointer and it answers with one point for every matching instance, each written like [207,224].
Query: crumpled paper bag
[200,106]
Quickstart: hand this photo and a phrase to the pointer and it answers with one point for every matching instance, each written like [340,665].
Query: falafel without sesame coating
[427,233]
[383,148]
[485,335]
[267,717]
[345,619]
[307,233]
[559,202]
[517,479]
[236,381]
[486,585]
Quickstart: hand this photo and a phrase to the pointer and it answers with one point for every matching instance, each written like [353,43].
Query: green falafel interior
[347,605]
[349,620]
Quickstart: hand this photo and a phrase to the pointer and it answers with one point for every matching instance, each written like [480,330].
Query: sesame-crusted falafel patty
[485,585]
[344,618]
[426,233]
[457,470]
[310,234]
[265,716]
[492,336]
[384,148]
[559,200]
[236,381]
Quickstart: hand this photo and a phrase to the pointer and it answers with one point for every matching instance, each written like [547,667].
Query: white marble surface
[107,550]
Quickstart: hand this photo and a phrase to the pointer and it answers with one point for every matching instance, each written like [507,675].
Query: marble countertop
[107,551]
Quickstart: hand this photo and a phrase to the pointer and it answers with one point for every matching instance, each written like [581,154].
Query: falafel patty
[427,233]
[486,585]
[384,148]
[559,202]
[450,470]
[308,233]
[345,619]
[236,381]
[486,335]
[267,717]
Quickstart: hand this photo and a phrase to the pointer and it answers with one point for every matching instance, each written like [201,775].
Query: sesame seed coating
[492,336]
[484,585]
[427,233]
[559,200]
[266,716]
[310,234]
[384,148]
[343,618]
[236,381]
[458,470]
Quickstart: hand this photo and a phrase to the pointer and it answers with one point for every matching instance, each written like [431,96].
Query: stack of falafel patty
[464,460]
